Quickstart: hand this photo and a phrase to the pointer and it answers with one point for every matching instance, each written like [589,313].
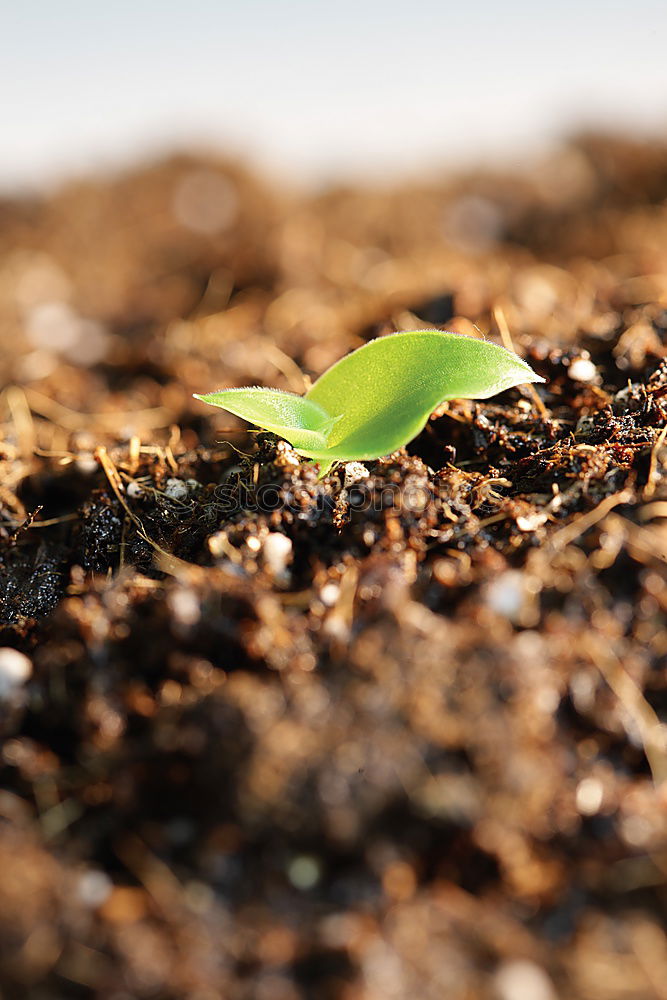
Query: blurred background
[321,90]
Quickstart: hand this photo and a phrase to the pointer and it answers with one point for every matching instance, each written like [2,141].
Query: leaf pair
[380,396]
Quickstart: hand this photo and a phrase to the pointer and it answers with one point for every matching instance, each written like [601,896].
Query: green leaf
[380,396]
[384,392]
[297,419]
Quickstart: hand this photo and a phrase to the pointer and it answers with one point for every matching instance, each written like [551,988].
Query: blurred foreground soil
[262,739]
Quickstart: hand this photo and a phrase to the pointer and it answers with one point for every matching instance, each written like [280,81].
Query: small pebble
[354,472]
[329,594]
[93,888]
[304,872]
[582,370]
[531,522]
[133,490]
[86,463]
[176,489]
[506,594]
[277,552]
[590,795]
[15,670]
[184,606]
[522,980]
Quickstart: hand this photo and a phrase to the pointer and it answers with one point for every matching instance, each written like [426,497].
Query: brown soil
[414,751]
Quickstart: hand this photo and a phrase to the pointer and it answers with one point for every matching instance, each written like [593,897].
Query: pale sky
[320,90]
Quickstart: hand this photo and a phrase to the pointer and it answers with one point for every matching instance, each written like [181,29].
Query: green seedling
[380,396]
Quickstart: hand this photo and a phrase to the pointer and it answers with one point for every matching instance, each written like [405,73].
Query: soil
[268,737]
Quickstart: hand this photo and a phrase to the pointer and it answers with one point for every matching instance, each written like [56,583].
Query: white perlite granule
[15,670]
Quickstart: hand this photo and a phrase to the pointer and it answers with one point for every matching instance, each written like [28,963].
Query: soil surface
[269,738]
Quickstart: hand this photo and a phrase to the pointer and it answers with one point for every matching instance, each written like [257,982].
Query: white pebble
[506,594]
[329,594]
[176,489]
[582,370]
[590,794]
[304,872]
[523,980]
[354,472]
[15,670]
[93,888]
[277,552]
[531,522]
[133,490]
[184,606]
[86,463]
